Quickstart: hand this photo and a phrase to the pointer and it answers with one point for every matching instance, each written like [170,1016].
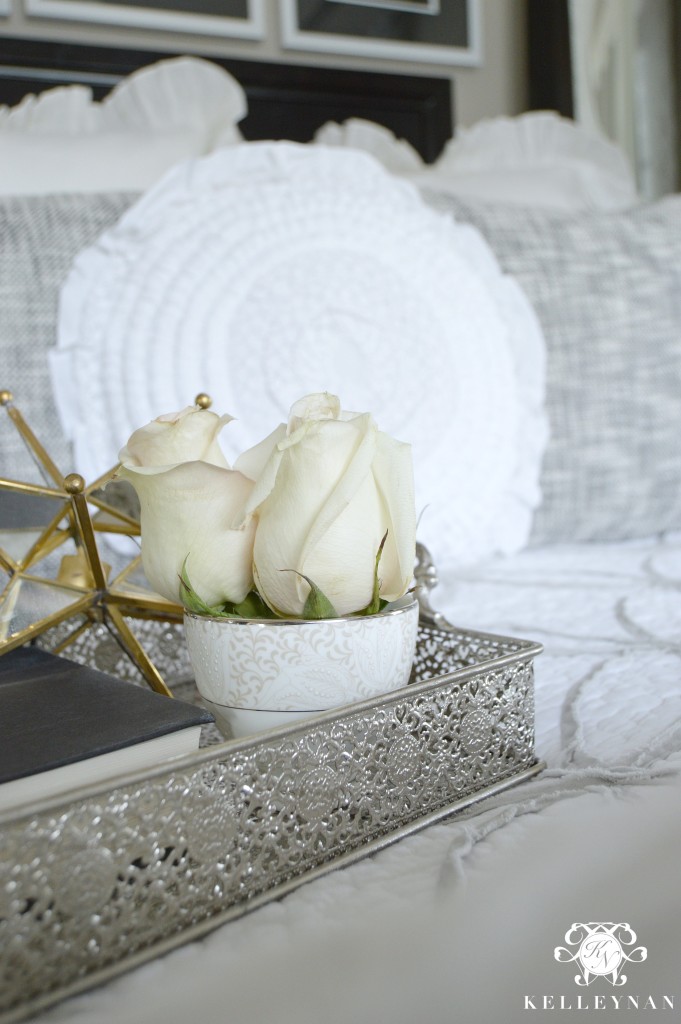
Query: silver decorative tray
[97,885]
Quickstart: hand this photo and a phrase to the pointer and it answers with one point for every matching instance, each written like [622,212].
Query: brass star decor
[53,581]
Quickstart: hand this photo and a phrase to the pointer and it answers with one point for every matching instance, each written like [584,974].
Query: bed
[465,919]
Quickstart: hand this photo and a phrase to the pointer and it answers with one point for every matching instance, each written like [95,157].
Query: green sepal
[191,600]
[317,604]
[377,603]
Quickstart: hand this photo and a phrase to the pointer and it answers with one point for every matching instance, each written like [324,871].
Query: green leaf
[191,600]
[376,604]
[253,607]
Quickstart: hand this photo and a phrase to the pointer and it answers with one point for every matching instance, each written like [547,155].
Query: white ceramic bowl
[256,674]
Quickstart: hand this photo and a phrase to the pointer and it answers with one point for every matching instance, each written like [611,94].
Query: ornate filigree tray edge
[203,928]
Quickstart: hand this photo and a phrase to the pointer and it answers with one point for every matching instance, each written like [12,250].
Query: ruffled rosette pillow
[268,270]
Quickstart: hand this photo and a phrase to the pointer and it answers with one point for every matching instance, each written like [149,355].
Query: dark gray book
[63,726]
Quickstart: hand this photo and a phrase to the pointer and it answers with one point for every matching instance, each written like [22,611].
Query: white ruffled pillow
[33,165]
[535,159]
[64,141]
[270,270]
[396,155]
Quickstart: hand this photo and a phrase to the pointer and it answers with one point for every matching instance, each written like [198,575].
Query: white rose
[330,488]
[183,436]
[192,506]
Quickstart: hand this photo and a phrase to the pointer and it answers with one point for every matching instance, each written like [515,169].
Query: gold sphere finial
[6,397]
[203,401]
[74,483]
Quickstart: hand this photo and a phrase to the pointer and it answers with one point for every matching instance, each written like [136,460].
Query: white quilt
[609,615]
[460,922]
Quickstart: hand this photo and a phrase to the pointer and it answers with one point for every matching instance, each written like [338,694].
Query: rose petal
[196,511]
[184,436]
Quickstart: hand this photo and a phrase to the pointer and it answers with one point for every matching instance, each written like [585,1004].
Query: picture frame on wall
[235,19]
[429,31]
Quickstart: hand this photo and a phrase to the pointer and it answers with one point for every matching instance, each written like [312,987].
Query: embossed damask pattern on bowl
[88,887]
[301,666]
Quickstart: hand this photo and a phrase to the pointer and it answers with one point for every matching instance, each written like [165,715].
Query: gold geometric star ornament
[51,571]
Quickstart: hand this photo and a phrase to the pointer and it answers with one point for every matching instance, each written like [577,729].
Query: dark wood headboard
[285,101]
[549,56]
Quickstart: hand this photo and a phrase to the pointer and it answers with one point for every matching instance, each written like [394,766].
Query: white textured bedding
[460,921]
[609,615]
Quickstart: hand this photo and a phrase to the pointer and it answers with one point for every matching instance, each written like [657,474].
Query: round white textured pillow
[269,270]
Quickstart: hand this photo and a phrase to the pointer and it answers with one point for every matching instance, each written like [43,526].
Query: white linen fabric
[41,236]
[417,931]
[606,289]
[64,141]
[267,271]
